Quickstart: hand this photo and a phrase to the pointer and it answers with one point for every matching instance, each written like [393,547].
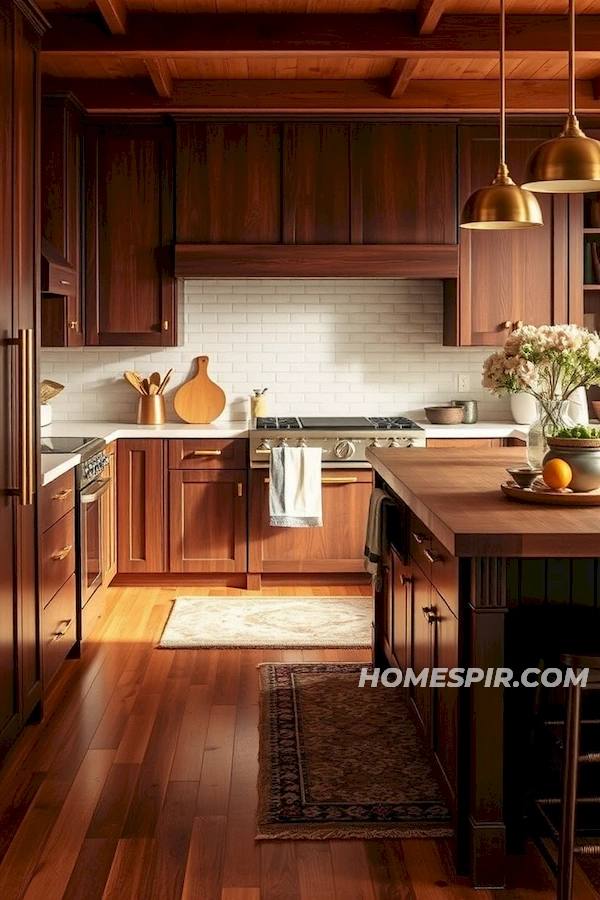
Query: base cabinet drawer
[56,499]
[208,453]
[58,629]
[58,556]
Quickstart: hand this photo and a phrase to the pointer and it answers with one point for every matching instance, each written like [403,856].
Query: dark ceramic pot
[584,462]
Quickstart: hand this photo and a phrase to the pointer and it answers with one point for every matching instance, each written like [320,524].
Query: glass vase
[552,415]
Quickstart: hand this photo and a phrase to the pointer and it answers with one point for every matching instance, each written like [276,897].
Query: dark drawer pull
[419,537]
[429,613]
[405,579]
[56,635]
[62,553]
[431,557]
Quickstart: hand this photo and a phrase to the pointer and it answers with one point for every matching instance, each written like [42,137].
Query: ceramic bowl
[524,476]
[444,415]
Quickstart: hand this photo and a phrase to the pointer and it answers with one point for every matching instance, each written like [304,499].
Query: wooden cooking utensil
[49,389]
[165,381]
[199,400]
[130,377]
[155,379]
[146,386]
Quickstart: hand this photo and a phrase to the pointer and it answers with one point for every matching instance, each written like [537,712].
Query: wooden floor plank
[204,870]
[351,871]
[64,842]
[241,894]
[129,872]
[91,870]
[315,870]
[215,779]
[279,871]
[113,805]
[187,761]
[170,849]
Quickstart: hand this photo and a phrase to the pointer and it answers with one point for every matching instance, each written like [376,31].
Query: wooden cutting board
[199,400]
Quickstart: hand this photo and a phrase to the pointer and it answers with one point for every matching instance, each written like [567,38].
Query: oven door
[92,567]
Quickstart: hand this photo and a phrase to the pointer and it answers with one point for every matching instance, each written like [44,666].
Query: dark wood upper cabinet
[228,186]
[130,289]
[61,167]
[506,277]
[403,187]
[316,184]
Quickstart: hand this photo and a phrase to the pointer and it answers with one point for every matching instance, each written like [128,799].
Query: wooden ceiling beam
[400,76]
[429,13]
[159,72]
[322,97]
[114,13]
[384,35]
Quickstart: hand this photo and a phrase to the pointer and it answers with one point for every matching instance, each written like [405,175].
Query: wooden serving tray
[539,493]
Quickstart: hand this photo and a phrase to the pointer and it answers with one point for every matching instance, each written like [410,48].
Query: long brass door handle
[60,632]
[26,396]
[206,452]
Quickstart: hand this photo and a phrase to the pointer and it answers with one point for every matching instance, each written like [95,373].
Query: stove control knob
[283,443]
[344,449]
[375,444]
[394,442]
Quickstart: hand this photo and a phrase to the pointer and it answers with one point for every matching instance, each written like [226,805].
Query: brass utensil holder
[151,410]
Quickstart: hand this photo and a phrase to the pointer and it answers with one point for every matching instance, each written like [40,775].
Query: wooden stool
[568,844]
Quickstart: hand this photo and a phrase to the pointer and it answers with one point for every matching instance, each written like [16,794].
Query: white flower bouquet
[550,362]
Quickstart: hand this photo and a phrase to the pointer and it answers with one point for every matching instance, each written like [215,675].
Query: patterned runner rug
[339,761]
[262,622]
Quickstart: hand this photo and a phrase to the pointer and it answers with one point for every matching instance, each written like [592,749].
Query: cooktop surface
[68,444]
[338,423]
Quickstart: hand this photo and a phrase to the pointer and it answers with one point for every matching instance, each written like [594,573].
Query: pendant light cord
[503,83]
[571,57]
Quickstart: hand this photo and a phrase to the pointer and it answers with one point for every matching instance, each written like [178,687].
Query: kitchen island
[473,579]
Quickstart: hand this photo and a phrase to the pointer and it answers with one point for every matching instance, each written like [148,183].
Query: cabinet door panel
[422,651]
[228,183]
[401,613]
[446,698]
[337,546]
[403,184]
[207,521]
[316,184]
[509,276]
[109,522]
[129,289]
[140,506]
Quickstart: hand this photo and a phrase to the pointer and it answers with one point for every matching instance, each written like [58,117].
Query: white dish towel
[295,487]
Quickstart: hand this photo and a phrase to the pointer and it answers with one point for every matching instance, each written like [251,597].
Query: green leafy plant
[585,432]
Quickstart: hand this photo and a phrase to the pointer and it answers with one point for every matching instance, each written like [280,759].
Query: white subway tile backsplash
[348,346]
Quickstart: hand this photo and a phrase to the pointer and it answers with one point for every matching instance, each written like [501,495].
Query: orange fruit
[557,473]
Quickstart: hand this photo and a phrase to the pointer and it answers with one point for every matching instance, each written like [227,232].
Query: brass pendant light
[569,163]
[502,205]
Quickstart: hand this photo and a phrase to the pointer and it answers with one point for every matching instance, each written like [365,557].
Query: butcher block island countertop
[457,495]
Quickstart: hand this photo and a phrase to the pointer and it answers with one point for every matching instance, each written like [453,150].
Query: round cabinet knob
[344,449]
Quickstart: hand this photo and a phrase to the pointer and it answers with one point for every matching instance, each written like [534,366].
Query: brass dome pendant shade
[502,205]
[569,163]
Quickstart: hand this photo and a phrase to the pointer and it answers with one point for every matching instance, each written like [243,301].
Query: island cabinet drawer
[419,540]
[58,629]
[443,573]
[58,556]
[56,499]
[208,453]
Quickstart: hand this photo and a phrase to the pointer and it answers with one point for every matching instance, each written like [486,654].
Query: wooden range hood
[316,260]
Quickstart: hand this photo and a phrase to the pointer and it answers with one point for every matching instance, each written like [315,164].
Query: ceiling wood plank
[429,13]
[384,35]
[159,72]
[400,75]
[114,13]
[369,96]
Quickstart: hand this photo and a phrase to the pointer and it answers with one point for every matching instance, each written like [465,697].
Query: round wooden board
[550,497]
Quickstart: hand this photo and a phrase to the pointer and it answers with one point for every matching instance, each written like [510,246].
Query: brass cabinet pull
[240,489]
[64,281]
[519,323]
[165,325]
[405,579]
[419,537]
[330,480]
[206,452]
[62,553]
[56,635]
[431,557]
[429,613]
[73,325]
[62,495]
[513,325]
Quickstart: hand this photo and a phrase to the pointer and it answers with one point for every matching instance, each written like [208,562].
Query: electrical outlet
[463,384]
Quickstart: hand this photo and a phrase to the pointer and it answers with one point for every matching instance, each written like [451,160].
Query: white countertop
[55,464]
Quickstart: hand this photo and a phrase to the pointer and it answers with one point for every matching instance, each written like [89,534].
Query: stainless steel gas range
[343,439]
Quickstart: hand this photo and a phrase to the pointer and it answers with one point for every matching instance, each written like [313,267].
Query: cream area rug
[262,622]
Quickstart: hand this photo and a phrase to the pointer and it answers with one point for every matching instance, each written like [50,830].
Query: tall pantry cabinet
[21,27]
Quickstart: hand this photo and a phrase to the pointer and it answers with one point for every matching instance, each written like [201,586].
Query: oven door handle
[96,489]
